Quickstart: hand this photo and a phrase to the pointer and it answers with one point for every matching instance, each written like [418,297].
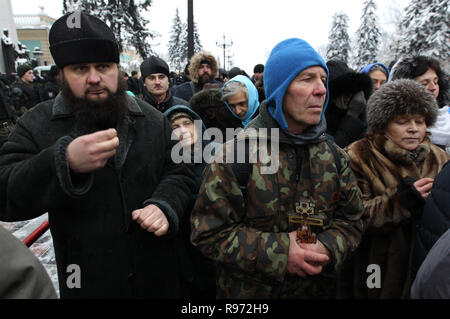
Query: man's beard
[205,78]
[98,115]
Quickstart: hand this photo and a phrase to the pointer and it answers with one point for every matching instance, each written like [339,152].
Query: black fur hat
[399,97]
[342,80]
[79,37]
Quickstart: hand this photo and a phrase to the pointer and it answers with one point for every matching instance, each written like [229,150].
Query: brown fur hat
[400,97]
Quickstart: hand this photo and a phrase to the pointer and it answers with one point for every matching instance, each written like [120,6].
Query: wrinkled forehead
[313,70]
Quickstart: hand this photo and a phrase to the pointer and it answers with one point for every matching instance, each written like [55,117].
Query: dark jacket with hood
[90,214]
[347,122]
[198,271]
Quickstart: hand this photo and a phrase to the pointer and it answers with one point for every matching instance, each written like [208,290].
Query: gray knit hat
[399,97]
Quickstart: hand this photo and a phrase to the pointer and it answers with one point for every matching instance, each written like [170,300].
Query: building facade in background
[32,31]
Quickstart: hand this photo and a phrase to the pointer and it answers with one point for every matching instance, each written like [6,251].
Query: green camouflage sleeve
[345,232]
[219,229]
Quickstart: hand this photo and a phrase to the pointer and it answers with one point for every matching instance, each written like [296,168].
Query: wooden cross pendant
[304,211]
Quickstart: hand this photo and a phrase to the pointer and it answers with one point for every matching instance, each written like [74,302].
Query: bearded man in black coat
[98,161]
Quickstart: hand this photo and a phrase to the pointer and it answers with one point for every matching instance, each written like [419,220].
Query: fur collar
[397,154]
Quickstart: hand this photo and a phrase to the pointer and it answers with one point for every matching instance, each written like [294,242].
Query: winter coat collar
[150,99]
[398,154]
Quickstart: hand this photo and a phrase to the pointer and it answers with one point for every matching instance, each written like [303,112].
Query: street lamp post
[224,46]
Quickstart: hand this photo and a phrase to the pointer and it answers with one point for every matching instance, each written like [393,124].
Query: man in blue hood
[254,227]
[241,97]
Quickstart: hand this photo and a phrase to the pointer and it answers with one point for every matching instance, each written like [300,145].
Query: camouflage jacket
[248,237]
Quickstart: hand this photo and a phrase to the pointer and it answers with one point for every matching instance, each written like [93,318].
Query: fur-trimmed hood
[195,62]
[406,67]
[398,98]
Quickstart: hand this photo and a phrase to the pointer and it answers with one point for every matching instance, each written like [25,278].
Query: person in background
[8,113]
[346,111]
[25,91]
[241,97]
[258,72]
[133,83]
[213,111]
[378,72]
[235,71]
[223,76]
[199,271]
[51,88]
[428,72]
[203,68]
[155,74]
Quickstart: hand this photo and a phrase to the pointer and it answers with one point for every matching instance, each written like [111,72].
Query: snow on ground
[42,248]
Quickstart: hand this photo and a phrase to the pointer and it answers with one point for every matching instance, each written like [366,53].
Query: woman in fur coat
[395,165]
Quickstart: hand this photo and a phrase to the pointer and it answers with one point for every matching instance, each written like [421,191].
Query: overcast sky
[254,26]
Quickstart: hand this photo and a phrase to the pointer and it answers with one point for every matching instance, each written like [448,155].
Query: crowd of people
[360,178]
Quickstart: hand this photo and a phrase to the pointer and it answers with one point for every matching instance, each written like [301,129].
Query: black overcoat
[90,214]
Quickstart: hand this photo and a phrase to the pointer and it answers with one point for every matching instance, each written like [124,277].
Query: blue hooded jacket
[253,98]
[369,67]
[287,59]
